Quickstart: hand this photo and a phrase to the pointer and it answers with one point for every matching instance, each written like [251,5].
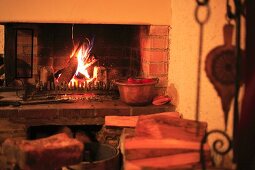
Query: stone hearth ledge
[77,113]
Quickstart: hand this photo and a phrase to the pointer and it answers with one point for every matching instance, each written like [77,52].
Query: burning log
[78,65]
[68,72]
[46,153]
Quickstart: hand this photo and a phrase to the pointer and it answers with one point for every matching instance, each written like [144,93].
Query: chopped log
[121,121]
[131,121]
[68,72]
[46,153]
[167,162]
[130,165]
[165,126]
[153,153]
[140,148]
[145,143]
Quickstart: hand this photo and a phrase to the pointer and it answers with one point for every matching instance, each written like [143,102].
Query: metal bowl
[98,156]
[137,94]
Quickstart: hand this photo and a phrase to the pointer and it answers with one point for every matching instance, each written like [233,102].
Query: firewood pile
[160,141]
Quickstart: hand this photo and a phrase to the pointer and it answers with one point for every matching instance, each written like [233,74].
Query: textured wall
[184,40]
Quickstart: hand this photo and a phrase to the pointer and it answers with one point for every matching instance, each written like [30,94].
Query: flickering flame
[85,60]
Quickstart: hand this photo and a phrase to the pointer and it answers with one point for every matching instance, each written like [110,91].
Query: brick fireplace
[129,44]
[135,46]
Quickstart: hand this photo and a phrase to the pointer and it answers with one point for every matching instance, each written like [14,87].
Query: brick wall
[155,54]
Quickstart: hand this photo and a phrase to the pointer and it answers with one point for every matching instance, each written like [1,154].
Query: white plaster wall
[184,58]
[87,11]
[184,48]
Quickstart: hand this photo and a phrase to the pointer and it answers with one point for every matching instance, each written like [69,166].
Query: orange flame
[85,60]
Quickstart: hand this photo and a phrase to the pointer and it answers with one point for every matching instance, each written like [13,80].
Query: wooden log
[140,142]
[140,148]
[130,165]
[46,153]
[160,153]
[131,121]
[68,72]
[121,121]
[164,126]
[164,162]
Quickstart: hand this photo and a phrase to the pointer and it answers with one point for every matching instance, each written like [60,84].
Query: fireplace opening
[46,55]
[114,50]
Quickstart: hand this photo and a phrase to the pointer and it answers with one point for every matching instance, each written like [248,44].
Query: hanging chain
[202,2]
[201,21]
[240,9]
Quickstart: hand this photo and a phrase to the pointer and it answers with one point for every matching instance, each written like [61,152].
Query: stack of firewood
[161,141]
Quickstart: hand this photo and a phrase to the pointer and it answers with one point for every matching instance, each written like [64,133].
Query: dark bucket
[98,156]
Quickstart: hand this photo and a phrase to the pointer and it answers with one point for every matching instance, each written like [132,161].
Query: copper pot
[137,94]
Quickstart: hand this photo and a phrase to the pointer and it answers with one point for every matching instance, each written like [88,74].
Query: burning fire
[85,60]
[80,59]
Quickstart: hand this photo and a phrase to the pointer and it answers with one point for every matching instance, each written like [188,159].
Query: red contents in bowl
[139,80]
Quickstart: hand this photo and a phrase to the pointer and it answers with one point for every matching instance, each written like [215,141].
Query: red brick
[160,42]
[159,30]
[145,42]
[158,68]
[155,55]
[159,56]
[145,55]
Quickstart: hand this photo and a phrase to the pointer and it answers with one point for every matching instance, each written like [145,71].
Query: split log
[131,121]
[121,121]
[160,153]
[184,160]
[161,141]
[141,148]
[129,165]
[46,153]
[165,126]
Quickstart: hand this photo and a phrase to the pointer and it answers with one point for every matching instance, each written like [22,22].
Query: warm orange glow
[85,60]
